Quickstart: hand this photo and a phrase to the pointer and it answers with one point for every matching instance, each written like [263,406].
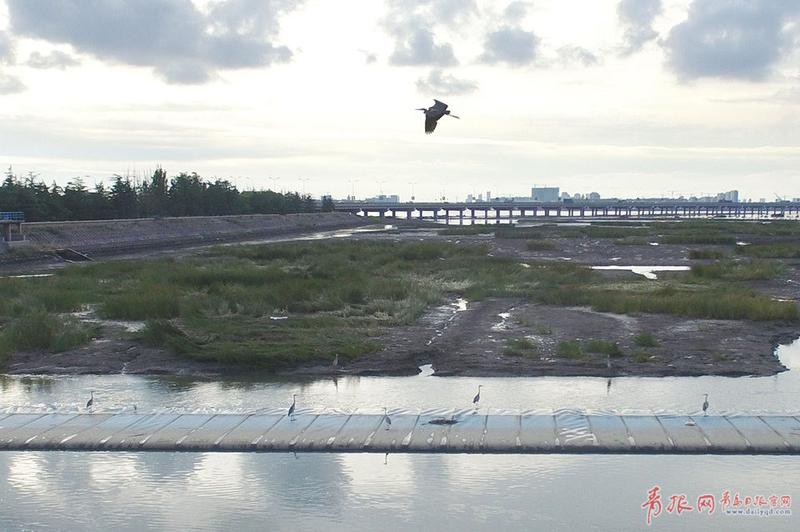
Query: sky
[628,98]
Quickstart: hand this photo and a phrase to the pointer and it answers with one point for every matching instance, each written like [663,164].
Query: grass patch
[570,349]
[604,347]
[40,330]
[540,245]
[153,302]
[738,271]
[697,238]
[771,251]
[642,356]
[521,347]
[633,241]
[645,339]
[706,254]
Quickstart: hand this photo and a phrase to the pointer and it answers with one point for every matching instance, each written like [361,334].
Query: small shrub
[706,254]
[645,339]
[604,347]
[570,349]
[540,245]
[521,347]
[641,356]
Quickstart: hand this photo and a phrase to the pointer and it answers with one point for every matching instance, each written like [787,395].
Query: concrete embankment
[563,432]
[122,236]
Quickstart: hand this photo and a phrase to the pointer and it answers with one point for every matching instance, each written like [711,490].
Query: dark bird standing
[477,397]
[291,408]
[90,402]
[386,418]
[705,405]
[433,114]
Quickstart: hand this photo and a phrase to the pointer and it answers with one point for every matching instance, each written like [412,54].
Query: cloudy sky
[623,97]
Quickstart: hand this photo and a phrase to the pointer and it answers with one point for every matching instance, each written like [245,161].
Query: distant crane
[387,419]
[705,405]
[90,402]
[291,408]
[433,114]
[477,398]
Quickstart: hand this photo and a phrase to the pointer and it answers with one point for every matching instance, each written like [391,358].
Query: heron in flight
[705,405]
[433,114]
[291,408]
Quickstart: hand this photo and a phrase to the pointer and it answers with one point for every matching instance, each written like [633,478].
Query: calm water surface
[241,491]
[113,393]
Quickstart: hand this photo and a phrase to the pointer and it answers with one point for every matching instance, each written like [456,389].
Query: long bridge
[562,432]
[608,209]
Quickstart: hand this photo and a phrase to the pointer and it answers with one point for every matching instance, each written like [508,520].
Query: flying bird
[433,114]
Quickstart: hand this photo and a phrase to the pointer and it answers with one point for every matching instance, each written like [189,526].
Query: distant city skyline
[624,97]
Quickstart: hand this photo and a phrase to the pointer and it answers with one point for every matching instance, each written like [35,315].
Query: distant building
[488,195]
[384,198]
[731,196]
[544,194]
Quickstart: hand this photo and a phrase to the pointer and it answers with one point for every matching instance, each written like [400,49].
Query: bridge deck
[561,433]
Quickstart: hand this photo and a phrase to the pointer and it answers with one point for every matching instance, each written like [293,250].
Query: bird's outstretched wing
[430,125]
[439,106]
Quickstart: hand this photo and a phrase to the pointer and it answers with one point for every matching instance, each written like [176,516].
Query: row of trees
[182,195]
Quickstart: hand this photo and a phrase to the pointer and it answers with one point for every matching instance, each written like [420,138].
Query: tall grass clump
[149,302]
[604,347]
[645,339]
[570,349]
[770,251]
[706,254]
[42,330]
[521,347]
[738,271]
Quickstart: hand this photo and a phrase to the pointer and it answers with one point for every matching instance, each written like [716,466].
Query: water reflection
[117,393]
[236,491]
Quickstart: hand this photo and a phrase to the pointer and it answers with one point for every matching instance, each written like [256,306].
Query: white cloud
[512,46]
[439,83]
[179,41]
[636,17]
[742,39]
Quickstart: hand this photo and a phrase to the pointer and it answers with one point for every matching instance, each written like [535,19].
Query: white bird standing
[705,405]
[386,418]
[291,408]
[477,397]
[90,402]
[433,114]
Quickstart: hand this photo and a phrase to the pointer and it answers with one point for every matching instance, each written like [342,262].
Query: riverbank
[386,303]
[138,237]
